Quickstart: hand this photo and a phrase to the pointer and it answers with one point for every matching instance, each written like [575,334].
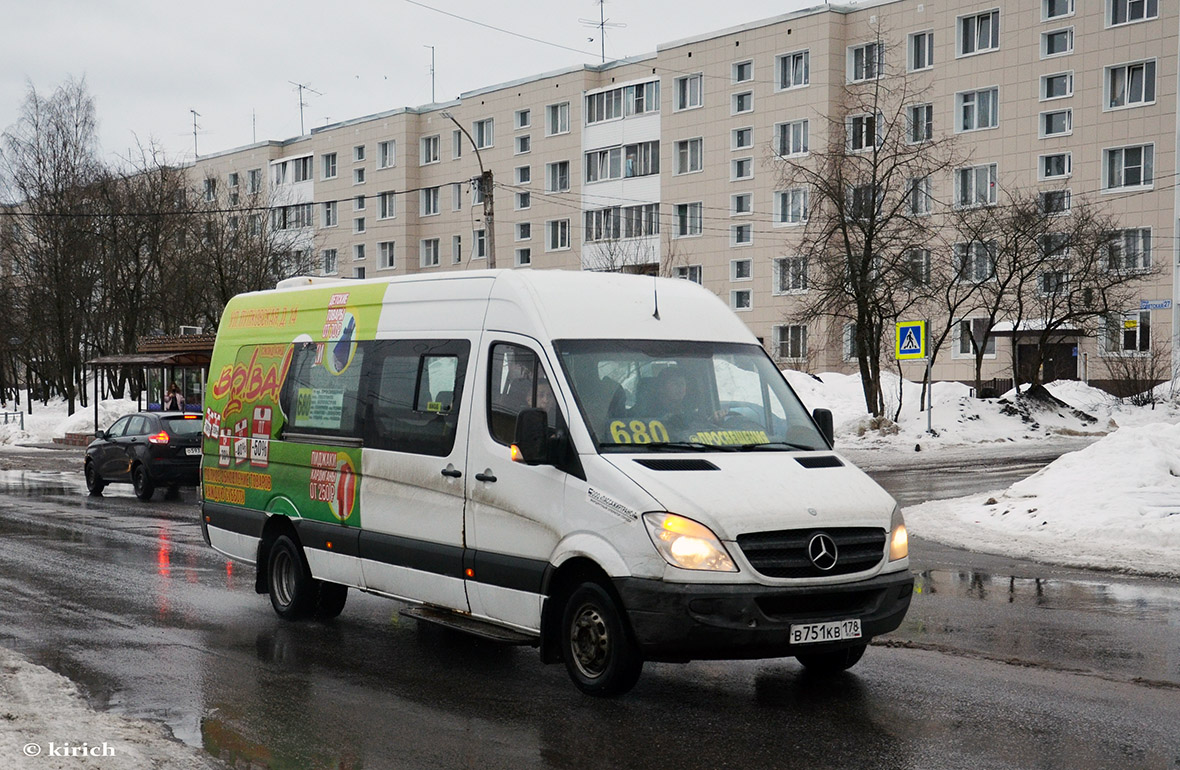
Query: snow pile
[1113,505]
[49,421]
[46,725]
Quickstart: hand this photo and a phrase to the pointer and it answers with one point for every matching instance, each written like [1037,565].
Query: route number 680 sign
[638,432]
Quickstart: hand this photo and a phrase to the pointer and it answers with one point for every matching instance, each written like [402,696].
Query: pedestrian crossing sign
[911,340]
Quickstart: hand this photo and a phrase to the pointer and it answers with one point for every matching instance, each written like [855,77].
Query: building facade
[671,162]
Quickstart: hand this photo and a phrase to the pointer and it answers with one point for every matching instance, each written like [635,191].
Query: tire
[94,482]
[832,662]
[596,645]
[142,483]
[294,593]
[331,601]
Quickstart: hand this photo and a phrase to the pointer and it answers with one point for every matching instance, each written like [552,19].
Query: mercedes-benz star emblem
[822,551]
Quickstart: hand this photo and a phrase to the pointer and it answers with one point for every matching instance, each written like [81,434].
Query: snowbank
[50,421]
[1113,505]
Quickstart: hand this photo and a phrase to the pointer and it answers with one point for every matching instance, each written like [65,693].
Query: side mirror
[530,443]
[823,418]
[100,435]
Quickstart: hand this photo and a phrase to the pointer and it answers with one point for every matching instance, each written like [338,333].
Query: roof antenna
[655,293]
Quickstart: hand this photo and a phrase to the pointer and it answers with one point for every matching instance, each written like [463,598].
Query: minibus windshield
[673,395]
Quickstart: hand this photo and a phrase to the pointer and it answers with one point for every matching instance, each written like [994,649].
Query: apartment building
[671,162]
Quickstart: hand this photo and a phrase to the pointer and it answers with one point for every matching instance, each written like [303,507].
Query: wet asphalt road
[1000,664]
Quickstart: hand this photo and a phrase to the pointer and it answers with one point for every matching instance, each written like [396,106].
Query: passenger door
[414,469]
[109,457]
[128,445]
[514,514]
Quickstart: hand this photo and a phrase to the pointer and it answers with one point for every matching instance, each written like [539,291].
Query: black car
[148,449]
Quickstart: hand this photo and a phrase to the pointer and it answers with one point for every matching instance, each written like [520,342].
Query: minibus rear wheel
[293,591]
[597,648]
[832,662]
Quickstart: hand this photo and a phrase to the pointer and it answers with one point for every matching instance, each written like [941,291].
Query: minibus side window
[516,381]
[322,389]
[412,393]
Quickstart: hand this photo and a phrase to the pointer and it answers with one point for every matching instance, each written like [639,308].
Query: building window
[524,257]
[979,33]
[387,255]
[523,144]
[689,156]
[1127,11]
[862,132]
[743,138]
[329,214]
[741,270]
[1056,123]
[793,69]
[476,192]
[688,219]
[791,341]
[210,189]
[386,206]
[524,200]
[358,175]
[524,231]
[430,149]
[358,225]
[743,71]
[328,160]
[791,206]
[975,262]
[917,266]
[921,123]
[742,168]
[920,195]
[358,203]
[358,252]
[616,222]
[688,92]
[329,257]
[604,105]
[741,299]
[865,62]
[557,235]
[524,119]
[358,272]
[557,176]
[456,144]
[524,174]
[978,109]
[975,186]
[1055,9]
[358,153]
[1127,332]
[1056,166]
[303,170]
[741,235]
[631,160]
[483,132]
[1128,166]
[623,101]
[1055,201]
[429,201]
[689,273]
[743,102]
[792,138]
[429,252]
[790,275]
[1130,84]
[254,181]
[969,334]
[1056,43]
[480,240]
[921,51]
[740,204]
[860,201]
[557,119]
[386,155]
[1130,250]
[1056,86]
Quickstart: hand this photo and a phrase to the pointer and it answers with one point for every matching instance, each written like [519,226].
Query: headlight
[899,541]
[685,543]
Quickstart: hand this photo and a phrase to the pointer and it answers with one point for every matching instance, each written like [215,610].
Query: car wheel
[294,593]
[331,601]
[94,483]
[600,656]
[832,662]
[144,488]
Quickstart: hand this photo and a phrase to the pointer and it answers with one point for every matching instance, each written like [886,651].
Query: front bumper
[693,621]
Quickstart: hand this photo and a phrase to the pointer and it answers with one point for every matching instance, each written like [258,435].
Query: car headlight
[899,540]
[686,544]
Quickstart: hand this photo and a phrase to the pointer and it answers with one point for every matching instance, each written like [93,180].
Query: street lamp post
[486,187]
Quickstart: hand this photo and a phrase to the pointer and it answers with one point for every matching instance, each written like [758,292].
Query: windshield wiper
[775,446]
[669,446]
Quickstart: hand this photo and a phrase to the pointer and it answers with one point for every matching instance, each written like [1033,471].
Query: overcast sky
[148,63]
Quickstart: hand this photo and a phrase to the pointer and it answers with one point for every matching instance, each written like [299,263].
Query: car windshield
[182,426]
[661,395]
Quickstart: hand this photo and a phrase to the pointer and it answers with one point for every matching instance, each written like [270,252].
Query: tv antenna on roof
[195,127]
[301,87]
[601,24]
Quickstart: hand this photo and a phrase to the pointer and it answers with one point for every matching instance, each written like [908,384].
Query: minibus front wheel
[597,648]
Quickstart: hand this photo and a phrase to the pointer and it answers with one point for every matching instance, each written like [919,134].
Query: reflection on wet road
[125,598]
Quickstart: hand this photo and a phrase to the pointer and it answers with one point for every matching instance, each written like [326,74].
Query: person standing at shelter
[174,400]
